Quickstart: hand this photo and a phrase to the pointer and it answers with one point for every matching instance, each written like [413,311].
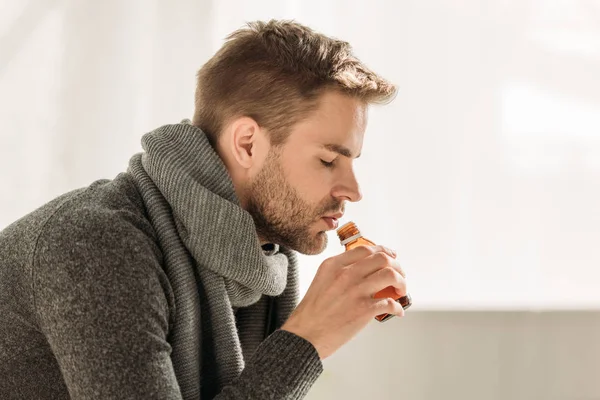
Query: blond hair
[274,73]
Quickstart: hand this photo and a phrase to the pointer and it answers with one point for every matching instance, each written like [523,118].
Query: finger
[386,306]
[382,279]
[374,263]
[358,253]
[389,251]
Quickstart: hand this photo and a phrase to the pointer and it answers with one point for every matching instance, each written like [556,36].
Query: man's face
[310,177]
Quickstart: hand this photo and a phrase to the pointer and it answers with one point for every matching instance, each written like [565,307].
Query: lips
[335,216]
[332,220]
[332,223]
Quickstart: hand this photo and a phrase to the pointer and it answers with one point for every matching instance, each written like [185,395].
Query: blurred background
[483,174]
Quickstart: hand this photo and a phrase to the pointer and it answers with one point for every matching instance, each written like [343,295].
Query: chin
[316,245]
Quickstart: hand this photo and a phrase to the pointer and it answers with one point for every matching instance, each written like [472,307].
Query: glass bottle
[350,237]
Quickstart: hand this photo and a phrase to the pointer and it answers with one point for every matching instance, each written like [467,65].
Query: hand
[339,302]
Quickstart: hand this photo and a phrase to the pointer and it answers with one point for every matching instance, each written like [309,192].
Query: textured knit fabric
[195,209]
[152,286]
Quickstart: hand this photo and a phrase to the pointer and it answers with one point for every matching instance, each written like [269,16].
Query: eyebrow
[339,149]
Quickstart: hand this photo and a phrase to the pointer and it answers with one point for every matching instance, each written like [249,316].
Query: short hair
[274,72]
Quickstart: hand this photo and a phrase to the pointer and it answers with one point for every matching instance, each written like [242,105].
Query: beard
[281,216]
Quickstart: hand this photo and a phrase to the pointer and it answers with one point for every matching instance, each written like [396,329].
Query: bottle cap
[347,232]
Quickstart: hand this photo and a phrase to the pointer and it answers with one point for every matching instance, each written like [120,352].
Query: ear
[245,133]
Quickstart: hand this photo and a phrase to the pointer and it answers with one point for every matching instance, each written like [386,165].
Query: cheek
[311,186]
[310,181]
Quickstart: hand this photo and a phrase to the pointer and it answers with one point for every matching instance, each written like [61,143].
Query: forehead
[339,119]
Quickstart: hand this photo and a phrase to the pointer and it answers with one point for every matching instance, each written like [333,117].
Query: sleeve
[285,366]
[102,302]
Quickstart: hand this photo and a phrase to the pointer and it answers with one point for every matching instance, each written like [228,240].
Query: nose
[348,189]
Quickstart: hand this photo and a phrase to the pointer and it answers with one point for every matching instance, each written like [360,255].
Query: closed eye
[327,164]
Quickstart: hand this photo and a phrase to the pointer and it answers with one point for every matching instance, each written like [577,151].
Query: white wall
[484,173]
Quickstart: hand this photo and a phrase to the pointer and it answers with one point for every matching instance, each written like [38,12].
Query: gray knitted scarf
[221,277]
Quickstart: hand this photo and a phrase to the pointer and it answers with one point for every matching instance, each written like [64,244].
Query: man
[178,279]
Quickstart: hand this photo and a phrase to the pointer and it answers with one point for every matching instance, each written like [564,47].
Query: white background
[484,173]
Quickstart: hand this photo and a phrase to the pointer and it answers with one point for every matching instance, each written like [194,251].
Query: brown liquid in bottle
[351,237]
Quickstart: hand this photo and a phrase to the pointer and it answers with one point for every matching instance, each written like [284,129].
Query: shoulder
[104,221]
[98,250]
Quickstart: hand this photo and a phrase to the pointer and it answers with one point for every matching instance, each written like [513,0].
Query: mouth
[332,223]
[332,220]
